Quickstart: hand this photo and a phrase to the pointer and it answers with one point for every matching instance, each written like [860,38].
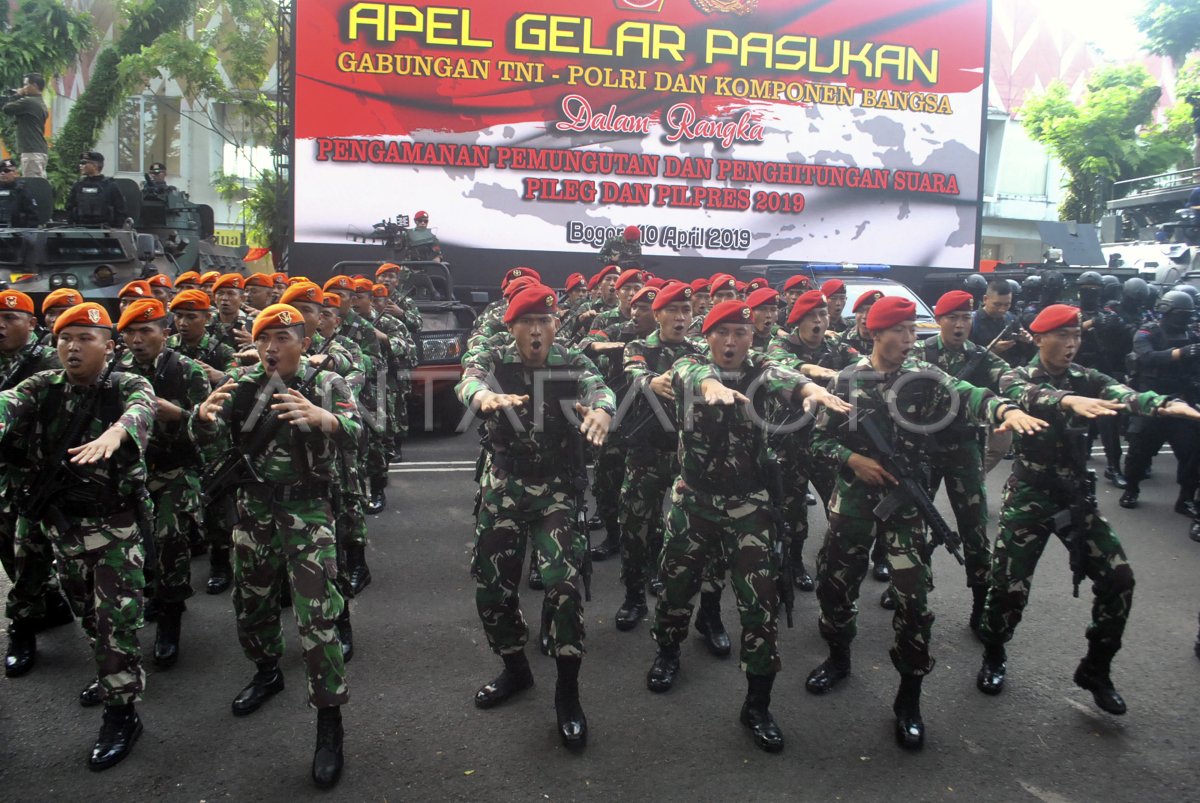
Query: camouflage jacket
[223,332]
[645,360]
[537,433]
[294,455]
[180,381]
[604,320]
[345,359]
[850,337]
[210,351]
[27,361]
[723,451]
[620,252]
[792,352]
[487,326]
[359,331]
[986,374]
[574,327]
[401,344]
[1041,394]
[34,417]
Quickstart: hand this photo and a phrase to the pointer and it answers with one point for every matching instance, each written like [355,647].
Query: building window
[242,152]
[148,132]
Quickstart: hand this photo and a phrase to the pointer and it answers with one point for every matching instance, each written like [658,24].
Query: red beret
[386,267]
[607,270]
[726,312]
[889,311]
[700,286]
[757,284]
[805,304]
[655,282]
[517,273]
[632,233]
[195,300]
[63,297]
[740,285]
[188,276]
[799,280]
[533,299]
[1054,317]
[259,280]
[631,275]
[517,285]
[339,283]
[364,286]
[331,299]
[646,295]
[575,280]
[721,281]
[303,292]
[279,278]
[867,299]
[833,287]
[762,297]
[138,288]
[380,291]
[160,280]
[228,280]
[88,313]
[954,301]
[421,214]
[209,276]
[296,279]
[16,301]
[671,293]
[143,310]
[276,316]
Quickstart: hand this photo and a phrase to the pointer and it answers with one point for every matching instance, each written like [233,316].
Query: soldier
[574,291]
[626,287]
[904,398]
[399,303]
[604,282]
[490,324]
[834,291]
[989,321]
[231,325]
[1166,356]
[423,244]
[139,288]
[764,314]
[403,360]
[793,288]
[161,287]
[259,289]
[528,488]
[188,280]
[285,521]
[34,602]
[207,281]
[808,348]
[701,298]
[1048,478]
[1100,328]
[53,305]
[156,180]
[18,209]
[94,200]
[624,251]
[172,461]
[721,287]
[720,507]
[858,337]
[92,517]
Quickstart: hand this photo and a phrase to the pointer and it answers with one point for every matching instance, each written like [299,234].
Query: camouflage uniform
[842,561]
[575,327]
[527,488]
[286,523]
[223,332]
[372,397]
[621,252]
[96,537]
[1031,499]
[210,351]
[610,458]
[720,509]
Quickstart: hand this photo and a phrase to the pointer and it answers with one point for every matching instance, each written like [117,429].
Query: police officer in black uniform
[18,209]
[94,200]
[1166,360]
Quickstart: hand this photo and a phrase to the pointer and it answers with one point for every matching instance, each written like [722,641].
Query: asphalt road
[412,732]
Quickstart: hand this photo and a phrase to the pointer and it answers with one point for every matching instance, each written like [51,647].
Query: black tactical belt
[534,470]
[299,492]
[95,509]
[1046,479]
[733,486]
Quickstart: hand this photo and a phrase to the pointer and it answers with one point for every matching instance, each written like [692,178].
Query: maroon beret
[806,304]
[1054,317]
[726,312]
[954,301]
[516,285]
[673,292]
[833,287]
[517,273]
[532,300]
[574,280]
[762,297]
[607,270]
[645,296]
[866,299]
[889,311]
[721,281]
[631,275]
[757,284]
[700,286]
[799,280]
[655,282]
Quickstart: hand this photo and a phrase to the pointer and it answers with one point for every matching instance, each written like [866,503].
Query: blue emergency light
[848,267]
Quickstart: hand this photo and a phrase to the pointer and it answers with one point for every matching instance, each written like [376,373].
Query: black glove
[1190,352]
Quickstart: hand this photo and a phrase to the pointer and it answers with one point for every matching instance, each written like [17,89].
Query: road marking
[436,463]
[1042,794]
[464,469]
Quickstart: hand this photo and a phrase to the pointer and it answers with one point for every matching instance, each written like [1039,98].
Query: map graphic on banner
[830,130]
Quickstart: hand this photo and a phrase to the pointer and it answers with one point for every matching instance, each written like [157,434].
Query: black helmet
[1110,280]
[1134,292]
[1032,284]
[1153,291]
[1175,301]
[1016,288]
[1089,278]
[975,284]
[1053,280]
[1190,289]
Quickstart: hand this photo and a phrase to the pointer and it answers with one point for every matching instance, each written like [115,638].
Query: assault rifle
[18,366]
[1071,522]
[911,490]
[236,468]
[976,358]
[579,481]
[787,591]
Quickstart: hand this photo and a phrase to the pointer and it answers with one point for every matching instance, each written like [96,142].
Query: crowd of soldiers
[252,417]
[722,403]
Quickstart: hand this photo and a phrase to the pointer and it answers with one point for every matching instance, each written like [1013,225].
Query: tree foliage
[1108,137]
[1171,28]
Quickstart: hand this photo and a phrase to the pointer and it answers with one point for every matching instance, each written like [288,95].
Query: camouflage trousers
[28,561]
[842,564]
[101,569]
[961,466]
[606,481]
[218,520]
[350,529]
[1025,528]
[513,511]
[297,537]
[377,431]
[797,474]
[648,476]
[176,498]
[702,529]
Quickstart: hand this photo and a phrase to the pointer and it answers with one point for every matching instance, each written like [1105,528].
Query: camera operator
[27,106]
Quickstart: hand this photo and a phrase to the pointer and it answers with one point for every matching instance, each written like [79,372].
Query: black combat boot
[661,676]
[150,609]
[58,612]
[910,730]
[1092,675]
[22,649]
[119,730]
[990,679]
[345,633]
[978,599]
[572,724]
[166,637]
[536,583]
[832,671]
[356,567]
[709,625]
[802,578]
[1129,499]
[1194,531]
[757,717]
[1185,505]
[219,570]
[92,695]
[516,676]
[612,540]
[376,502]
[887,600]
[882,572]
[633,609]
[327,758]
[266,683]
[1114,475]
[595,523]
[544,632]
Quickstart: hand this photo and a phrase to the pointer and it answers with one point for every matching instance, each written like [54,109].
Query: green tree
[43,36]
[1109,136]
[1182,117]
[1171,28]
